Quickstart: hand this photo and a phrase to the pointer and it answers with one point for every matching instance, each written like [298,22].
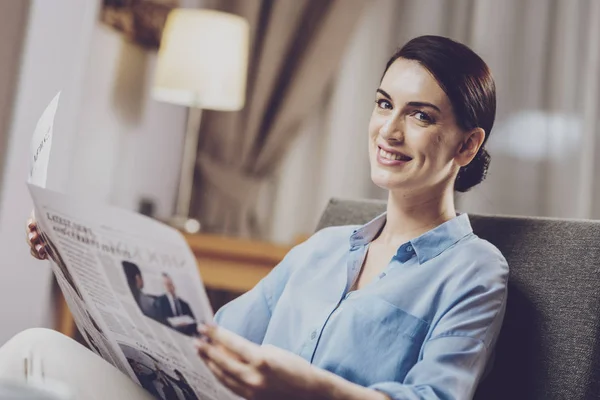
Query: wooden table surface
[234,264]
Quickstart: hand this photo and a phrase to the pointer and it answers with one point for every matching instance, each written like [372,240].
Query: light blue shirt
[424,329]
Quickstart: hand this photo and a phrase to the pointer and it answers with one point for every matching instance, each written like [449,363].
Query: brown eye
[384,104]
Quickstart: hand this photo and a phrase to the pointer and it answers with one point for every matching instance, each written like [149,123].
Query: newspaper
[41,143]
[131,283]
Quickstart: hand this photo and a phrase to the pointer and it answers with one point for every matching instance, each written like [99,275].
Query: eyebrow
[411,103]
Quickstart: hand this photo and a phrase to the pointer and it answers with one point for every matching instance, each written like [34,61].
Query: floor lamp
[202,64]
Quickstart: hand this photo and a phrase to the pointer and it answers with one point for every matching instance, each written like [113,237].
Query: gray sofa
[549,346]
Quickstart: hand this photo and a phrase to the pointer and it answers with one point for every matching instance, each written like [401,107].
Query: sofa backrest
[549,345]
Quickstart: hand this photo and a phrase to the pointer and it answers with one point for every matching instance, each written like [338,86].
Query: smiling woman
[407,306]
[422,87]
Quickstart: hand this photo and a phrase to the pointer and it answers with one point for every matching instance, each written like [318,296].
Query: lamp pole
[188,163]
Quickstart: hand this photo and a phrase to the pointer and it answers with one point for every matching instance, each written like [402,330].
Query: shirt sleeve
[454,358]
[249,314]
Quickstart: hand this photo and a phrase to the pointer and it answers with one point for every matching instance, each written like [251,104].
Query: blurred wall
[54,57]
[128,145]
[13,17]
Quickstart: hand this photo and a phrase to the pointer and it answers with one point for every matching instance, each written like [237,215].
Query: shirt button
[313,335]
[409,249]
[381,275]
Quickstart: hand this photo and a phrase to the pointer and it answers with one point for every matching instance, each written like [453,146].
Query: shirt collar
[427,246]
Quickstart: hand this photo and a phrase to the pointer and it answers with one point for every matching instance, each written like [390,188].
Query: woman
[408,306]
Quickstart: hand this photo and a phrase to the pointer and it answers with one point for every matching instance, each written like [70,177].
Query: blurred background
[262,174]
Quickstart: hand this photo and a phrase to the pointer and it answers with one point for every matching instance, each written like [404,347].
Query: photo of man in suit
[146,302]
[171,307]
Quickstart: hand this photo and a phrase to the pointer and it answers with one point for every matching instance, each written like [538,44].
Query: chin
[385,180]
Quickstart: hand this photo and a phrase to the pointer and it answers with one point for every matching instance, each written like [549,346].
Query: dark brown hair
[468,83]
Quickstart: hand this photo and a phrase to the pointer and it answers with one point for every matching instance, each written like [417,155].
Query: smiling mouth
[392,156]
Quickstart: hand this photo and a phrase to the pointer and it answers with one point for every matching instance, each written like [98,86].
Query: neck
[412,214]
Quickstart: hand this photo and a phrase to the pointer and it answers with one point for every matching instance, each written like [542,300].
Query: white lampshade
[203,60]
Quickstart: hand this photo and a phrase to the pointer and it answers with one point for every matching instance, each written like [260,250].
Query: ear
[469,147]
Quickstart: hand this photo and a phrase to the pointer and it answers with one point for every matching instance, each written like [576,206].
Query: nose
[392,130]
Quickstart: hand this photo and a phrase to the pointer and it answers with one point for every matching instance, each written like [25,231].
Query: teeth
[389,156]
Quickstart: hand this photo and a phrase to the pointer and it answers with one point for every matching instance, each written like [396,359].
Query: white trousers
[62,359]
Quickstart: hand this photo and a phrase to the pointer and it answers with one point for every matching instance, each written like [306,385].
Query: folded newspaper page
[41,143]
[131,283]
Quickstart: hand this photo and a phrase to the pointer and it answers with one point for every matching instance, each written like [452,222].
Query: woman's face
[414,140]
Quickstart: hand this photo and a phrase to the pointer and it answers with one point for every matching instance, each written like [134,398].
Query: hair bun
[473,173]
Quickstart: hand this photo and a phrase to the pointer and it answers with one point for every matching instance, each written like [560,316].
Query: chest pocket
[369,340]
[387,317]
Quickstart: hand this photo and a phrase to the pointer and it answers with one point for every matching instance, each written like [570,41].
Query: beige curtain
[295,52]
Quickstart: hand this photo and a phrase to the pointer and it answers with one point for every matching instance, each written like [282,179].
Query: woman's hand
[257,372]
[35,240]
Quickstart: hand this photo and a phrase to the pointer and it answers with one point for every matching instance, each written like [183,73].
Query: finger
[34,254]
[231,383]
[29,232]
[38,254]
[31,224]
[34,238]
[245,349]
[226,361]
[41,252]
